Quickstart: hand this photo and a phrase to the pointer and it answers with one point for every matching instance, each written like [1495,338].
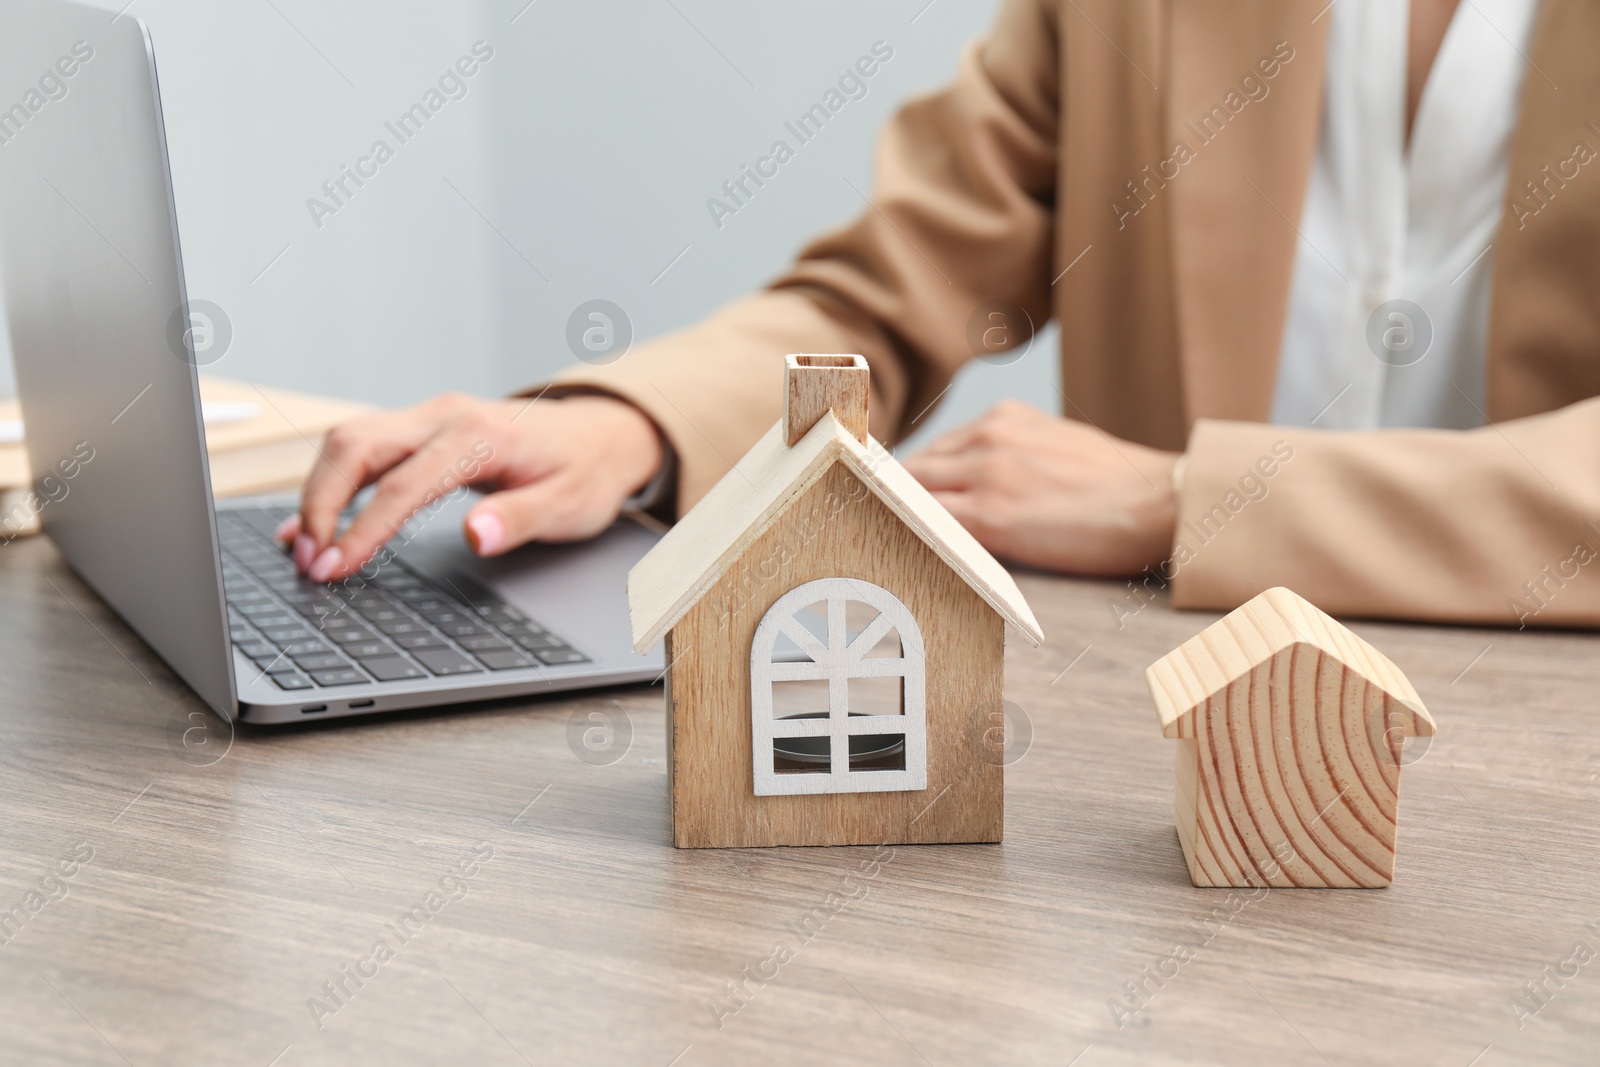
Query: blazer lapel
[1236,202]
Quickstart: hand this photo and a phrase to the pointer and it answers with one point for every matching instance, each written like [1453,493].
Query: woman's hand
[1054,493]
[559,470]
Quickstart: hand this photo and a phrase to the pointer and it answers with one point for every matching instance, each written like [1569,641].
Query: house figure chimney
[813,385]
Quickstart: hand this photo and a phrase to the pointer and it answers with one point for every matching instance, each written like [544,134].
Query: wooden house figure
[834,639]
[1290,733]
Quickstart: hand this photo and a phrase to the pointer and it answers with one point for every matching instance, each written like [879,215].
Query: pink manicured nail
[323,566]
[487,532]
[287,530]
[305,550]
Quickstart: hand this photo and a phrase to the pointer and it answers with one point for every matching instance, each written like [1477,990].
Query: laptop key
[535,642]
[408,592]
[506,660]
[392,669]
[383,614]
[320,661]
[446,661]
[402,628]
[415,641]
[519,629]
[305,648]
[293,680]
[485,643]
[240,633]
[346,676]
[501,613]
[254,649]
[465,629]
[349,635]
[367,649]
[559,656]
[282,634]
[442,616]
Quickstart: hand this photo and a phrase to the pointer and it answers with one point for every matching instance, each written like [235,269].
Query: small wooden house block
[835,642]
[1290,730]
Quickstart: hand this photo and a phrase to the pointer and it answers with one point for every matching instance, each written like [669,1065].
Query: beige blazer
[1160,149]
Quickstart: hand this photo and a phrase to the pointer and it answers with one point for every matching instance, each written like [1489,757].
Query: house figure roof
[1248,638]
[788,460]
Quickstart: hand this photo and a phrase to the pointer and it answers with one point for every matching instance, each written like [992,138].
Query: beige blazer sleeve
[1499,525]
[961,214]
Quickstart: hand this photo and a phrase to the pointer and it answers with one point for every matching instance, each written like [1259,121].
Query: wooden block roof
[753,496]
[1249,636]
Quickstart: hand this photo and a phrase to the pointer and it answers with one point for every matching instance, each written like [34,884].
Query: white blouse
[1389,306]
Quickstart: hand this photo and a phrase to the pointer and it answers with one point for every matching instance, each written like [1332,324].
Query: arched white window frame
[836,663]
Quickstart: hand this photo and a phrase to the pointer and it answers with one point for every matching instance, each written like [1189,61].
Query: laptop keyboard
[395,626]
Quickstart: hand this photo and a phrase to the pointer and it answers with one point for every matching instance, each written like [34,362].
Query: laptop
[106,365]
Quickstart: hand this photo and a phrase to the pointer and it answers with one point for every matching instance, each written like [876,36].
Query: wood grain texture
[816,384]
[1291,739]
[224,892]
[836,529]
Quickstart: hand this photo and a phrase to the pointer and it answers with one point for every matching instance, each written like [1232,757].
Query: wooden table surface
[218,880]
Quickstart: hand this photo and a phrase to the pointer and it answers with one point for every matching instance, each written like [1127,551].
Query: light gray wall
[577,166]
